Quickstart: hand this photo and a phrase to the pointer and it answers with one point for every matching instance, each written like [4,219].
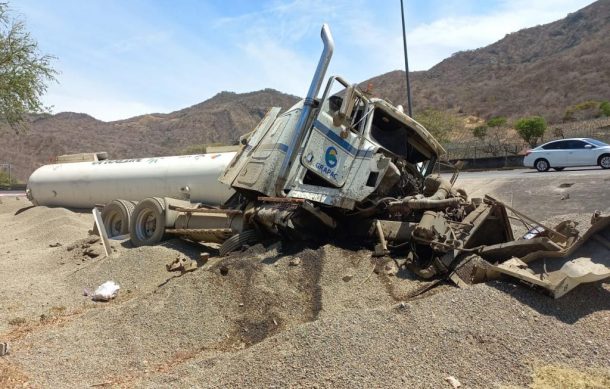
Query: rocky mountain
[541,70]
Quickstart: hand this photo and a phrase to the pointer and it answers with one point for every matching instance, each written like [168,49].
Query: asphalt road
[582,172]
[11,193]
[543,195]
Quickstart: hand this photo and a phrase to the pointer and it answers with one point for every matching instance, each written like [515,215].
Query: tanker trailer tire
[237,241]
[147,225]
[117,217]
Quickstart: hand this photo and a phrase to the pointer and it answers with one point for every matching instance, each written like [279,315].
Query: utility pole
[404,41]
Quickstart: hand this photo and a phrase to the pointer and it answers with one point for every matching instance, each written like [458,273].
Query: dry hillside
[222,118]
[540,70]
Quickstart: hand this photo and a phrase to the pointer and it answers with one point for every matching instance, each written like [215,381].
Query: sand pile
[487,336]
[225,306]
[281,316]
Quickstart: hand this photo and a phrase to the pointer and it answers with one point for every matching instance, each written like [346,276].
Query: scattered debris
[99,223]
[347,277]
[295,261]
[57,244]
[89,252]
[4,349]
[181,264]
[453,382]
[390,269]
[93,240]
[16,321]
[204,257]
[105,292]
[224,270]
[105,383]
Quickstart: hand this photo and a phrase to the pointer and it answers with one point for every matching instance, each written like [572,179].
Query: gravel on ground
[281,316]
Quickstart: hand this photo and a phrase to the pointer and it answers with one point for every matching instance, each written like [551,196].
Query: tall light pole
[404,41]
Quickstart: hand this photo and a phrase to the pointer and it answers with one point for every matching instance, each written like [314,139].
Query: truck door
[332,147]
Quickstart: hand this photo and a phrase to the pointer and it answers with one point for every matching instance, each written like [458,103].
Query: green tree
[480,132]
[604,107]
[5,180]
[439,123]
[586,110]
[497,121]
[24,72]
[531,129]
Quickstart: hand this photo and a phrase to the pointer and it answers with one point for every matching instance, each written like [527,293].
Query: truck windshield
[398,138]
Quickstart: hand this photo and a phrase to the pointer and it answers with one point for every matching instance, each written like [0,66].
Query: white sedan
[563,153]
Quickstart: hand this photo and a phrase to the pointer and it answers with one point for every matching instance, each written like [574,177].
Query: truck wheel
[148,222]
[542,165]
[237,241]
[604,161]
[116,216]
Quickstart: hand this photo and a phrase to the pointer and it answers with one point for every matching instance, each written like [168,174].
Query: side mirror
[588,146]
[345,112]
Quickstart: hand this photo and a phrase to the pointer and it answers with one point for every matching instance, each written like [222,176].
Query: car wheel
[558,168]
[542,165]
[604,161]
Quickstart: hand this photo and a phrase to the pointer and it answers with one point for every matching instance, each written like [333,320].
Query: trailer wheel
[237,241]
[148,222]
[116,216]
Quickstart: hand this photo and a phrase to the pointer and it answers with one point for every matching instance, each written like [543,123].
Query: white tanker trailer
[87,184]
[119,184]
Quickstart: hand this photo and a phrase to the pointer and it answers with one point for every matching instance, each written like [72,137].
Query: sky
[118,59]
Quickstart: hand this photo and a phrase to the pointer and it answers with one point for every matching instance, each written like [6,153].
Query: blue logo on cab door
[331,157]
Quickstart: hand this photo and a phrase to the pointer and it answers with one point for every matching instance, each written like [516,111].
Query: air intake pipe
[314,88]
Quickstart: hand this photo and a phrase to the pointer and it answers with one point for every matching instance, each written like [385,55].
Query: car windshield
[596,142]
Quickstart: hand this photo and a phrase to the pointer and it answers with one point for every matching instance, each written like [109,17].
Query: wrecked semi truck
[347,165]
[343,165]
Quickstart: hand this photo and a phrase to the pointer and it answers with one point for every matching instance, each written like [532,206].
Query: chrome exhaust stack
[314,88]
